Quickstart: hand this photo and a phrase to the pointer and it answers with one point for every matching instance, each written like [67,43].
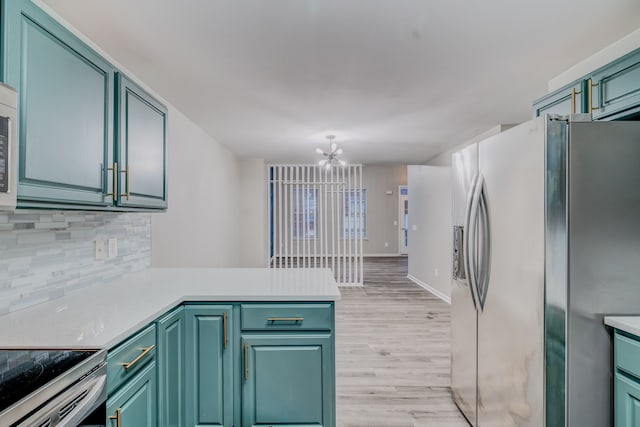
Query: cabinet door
[209,366]
[135,404]
[65,110]
[288,380]
[564,101]
[170,355]
[616,88]
[627,401]
[142,148]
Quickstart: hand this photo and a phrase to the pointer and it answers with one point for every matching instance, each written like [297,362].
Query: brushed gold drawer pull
[591,85]
[114,194]
[285,319]
[126,182]
[574,96]
[224,326]
[117,417]
[246,361]
[145,351]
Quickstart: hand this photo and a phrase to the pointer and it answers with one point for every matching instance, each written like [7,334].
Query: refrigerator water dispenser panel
[458,253]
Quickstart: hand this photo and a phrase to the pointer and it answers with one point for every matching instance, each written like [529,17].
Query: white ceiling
[398,81]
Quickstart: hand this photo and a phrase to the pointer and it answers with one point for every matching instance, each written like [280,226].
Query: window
[355,214]
[304,209]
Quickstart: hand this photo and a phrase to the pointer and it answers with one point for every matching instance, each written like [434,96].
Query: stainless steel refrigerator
[546,243]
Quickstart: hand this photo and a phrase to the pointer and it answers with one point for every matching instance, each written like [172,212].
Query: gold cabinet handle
[114,194]
[145,351]
[117,417]
[246,361]
[574,95]
[126,182]
[285,319]
[591,85]
[224,326]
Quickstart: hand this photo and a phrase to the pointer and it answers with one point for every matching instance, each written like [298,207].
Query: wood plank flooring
[392,352]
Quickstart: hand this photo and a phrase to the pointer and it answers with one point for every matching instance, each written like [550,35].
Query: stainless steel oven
[47,388]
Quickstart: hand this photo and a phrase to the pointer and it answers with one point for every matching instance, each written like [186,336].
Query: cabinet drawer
[627,354]
[290,317]
[125,360]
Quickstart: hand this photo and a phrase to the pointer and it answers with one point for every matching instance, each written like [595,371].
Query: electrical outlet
[100,249]
[435,271]
[113,247]
[386,244]
[395,223]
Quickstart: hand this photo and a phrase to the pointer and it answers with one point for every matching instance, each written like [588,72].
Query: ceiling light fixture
[331,157]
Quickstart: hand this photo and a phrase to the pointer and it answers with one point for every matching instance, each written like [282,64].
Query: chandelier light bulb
[343,163]
[334,146]
[322,162]
[339,151]
[319,151]
[327,166]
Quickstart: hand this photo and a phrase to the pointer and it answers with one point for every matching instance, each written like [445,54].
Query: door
[287,380]
[208,366]
[463,310]
[403,219]
[135,404]
[511,308]
[142,148]
[615,88]
[65,110]
[170,355]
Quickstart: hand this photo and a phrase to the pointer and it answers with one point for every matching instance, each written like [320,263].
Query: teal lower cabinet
[627,380]
[134,405]
[170,354]
[209,367]
[227,365]
[627,392]
[288,380]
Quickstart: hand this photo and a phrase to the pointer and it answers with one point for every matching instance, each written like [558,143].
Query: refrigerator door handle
[470,242]
[485,223]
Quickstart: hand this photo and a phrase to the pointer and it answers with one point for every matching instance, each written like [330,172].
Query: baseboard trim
[383,255]
[430,288]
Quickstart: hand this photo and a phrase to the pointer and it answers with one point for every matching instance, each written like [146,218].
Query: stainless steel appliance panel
[604,255]
[556,271]
[463,311]
[511,324]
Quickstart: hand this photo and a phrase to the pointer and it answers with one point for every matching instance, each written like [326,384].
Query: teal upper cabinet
[611,92]
[288,380]
[65,109]
[615,88]
[142,147]
[209,365]
[566,100]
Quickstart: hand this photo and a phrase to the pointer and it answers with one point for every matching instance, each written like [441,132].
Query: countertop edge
[628,324]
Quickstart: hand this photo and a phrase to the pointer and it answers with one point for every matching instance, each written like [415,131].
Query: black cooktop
[24,371]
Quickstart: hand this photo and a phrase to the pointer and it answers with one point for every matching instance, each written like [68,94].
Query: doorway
[403,219]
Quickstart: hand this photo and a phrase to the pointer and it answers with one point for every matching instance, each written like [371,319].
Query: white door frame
[402,249]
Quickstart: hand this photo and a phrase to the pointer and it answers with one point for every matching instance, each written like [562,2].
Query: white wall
[597,60]
[254,229]
[382,209]
[201,228]
[430,228]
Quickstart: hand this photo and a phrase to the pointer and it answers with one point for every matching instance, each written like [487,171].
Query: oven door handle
[97,394]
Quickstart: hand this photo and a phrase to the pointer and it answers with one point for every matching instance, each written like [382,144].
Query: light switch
[100,249]
[113,247]
[414,227]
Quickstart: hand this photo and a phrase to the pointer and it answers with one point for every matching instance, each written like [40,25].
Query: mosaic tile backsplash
[46,254]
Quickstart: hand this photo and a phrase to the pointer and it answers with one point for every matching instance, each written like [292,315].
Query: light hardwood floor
[392,352]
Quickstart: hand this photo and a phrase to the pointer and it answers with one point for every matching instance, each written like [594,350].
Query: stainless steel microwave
[8,147]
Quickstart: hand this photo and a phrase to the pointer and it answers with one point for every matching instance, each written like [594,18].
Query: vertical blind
[317,219]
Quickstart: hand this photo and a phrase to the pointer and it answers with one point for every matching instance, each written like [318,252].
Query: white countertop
[102,315]
[629,324]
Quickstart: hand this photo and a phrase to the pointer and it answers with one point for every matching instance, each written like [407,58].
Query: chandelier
[331,157]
